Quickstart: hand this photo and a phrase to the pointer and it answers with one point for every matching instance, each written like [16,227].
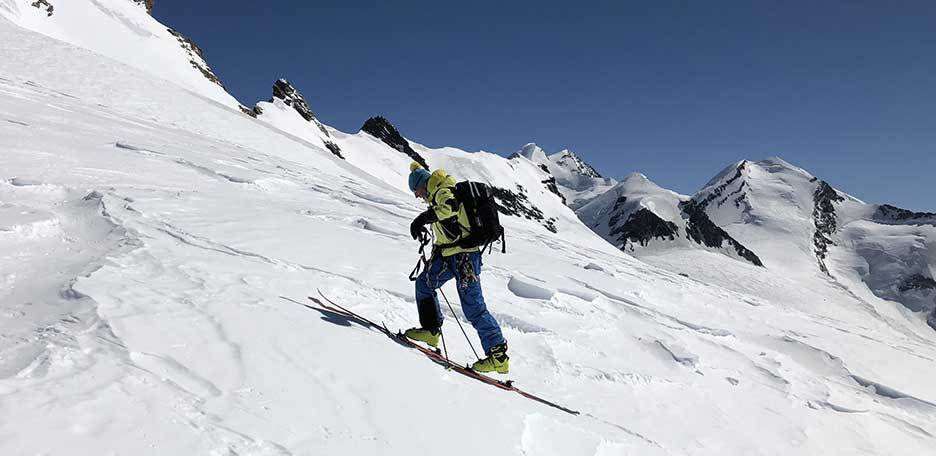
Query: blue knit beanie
[417,178]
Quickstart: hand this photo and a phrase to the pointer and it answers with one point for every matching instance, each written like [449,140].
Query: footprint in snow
[367,225]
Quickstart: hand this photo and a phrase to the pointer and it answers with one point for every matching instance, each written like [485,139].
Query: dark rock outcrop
[617,213]
[290,96]
[718,193]
[916,282]
[196,57]
[287,93]
[250,112]
[825,220]
[551,184]
[886,213]
[333,148]
[642,227]
[517,204]
[382,129]
[44,3]
[701,229]
[932,319]
[146,3]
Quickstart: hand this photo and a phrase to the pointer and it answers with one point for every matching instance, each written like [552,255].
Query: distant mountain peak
[778,165]
[533,152]
[288,94]
[567,159]
[574,180]
[636,178]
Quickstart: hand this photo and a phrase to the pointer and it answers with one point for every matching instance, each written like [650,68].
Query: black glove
[425,218]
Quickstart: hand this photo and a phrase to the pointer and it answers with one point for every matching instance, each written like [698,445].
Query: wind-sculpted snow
[144,312]
[529,288]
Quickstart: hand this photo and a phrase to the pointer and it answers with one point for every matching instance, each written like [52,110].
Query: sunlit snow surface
[149,236]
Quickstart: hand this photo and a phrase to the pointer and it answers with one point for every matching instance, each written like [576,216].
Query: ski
[433,355]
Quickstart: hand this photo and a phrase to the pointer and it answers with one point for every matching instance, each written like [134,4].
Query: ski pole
[459,325]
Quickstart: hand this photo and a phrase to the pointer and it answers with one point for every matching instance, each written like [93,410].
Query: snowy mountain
[576,181]
[771,213]
[800,224]
[157,247]
[638,214]
[289,111]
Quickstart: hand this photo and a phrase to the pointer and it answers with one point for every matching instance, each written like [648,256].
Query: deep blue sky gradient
[674,89]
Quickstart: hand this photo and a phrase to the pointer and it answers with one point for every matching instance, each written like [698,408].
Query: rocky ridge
[381,128]
[287,94]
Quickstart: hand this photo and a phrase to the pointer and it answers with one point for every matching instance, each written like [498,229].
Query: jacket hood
[439,179]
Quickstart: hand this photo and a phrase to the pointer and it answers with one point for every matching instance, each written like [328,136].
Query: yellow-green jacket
[452,222]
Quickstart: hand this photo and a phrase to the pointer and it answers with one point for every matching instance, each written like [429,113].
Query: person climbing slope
[451,258]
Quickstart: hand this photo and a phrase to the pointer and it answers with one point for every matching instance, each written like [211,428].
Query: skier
[450,223]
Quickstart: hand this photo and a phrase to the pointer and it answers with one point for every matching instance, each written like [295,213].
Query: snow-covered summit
[801,225]
[577,181]
[532,151]
[568,160]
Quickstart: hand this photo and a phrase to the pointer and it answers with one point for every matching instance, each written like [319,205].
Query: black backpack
[478,199]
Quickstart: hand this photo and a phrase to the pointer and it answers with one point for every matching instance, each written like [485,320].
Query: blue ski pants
[465,268]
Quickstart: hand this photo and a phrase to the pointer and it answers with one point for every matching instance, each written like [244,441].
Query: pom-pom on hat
[418,177]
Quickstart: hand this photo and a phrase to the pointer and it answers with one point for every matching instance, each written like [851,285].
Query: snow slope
[122,30]
[156,248]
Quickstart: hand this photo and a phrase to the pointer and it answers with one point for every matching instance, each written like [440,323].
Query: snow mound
[528,288]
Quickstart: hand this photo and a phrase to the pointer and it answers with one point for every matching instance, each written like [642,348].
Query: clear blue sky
[676,90]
